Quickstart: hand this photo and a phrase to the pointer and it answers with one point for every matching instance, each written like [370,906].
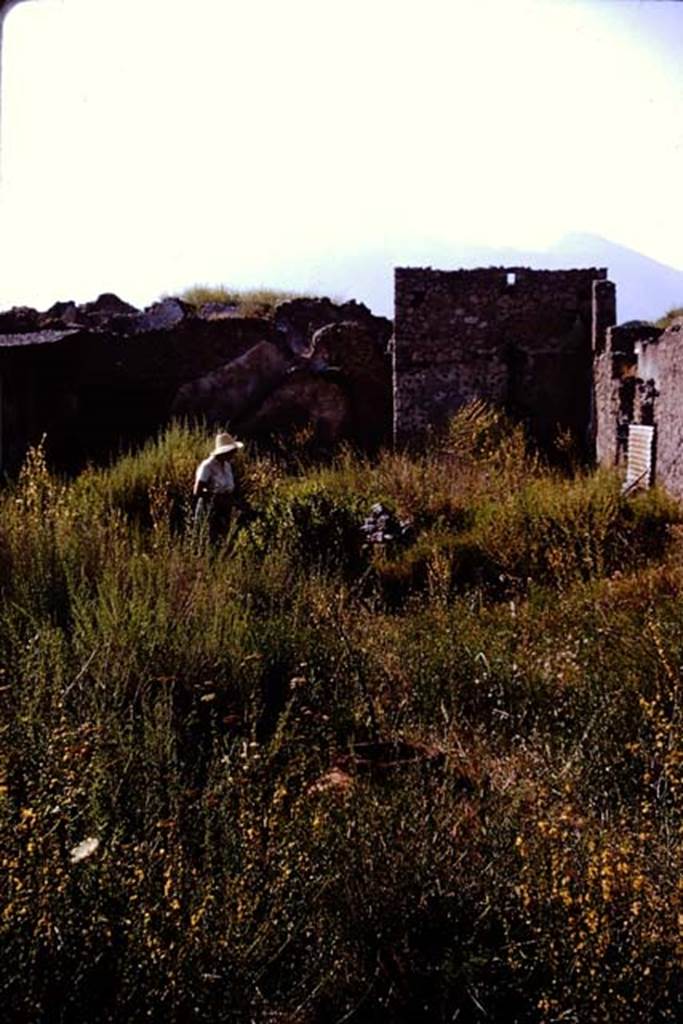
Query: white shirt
[216,474]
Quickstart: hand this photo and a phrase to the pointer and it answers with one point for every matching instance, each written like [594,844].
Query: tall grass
[226,725]
[248,301]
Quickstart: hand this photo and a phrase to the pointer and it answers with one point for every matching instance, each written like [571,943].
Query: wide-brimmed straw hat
[226,443]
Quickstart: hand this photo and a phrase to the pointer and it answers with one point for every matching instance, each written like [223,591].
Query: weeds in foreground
[193,824]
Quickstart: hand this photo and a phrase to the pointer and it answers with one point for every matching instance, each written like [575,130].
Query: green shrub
[317,525]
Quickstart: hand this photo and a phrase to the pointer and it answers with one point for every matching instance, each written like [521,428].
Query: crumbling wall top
[491,273]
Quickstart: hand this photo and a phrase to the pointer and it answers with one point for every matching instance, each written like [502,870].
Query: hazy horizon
[146,149]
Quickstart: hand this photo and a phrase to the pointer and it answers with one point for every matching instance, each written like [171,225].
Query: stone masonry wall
[95,392]
[100,377]
[660,380]
[639,380]
[615,376]
[522,339]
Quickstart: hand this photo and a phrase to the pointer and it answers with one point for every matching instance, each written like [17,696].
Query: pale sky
[148,145]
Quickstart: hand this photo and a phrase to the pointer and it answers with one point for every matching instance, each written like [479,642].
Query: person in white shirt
[214,485]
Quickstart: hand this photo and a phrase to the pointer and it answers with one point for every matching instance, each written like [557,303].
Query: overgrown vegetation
[289,778]
[673,314]
[249,301]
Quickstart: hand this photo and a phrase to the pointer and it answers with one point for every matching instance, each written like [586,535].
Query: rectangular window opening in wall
[510,278]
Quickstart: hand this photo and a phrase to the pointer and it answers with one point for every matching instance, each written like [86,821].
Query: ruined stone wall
[660,378]
[101,377]
[639,380]
[35,393]
[604,312]
[94,392]
[616,386]
[518,338]
[126,385]
[608,451]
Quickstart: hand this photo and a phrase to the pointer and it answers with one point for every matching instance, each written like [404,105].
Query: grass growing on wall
[673,314]
[249,301]
[183,834]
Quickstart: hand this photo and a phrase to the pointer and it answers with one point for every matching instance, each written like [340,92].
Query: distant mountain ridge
[646,289]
